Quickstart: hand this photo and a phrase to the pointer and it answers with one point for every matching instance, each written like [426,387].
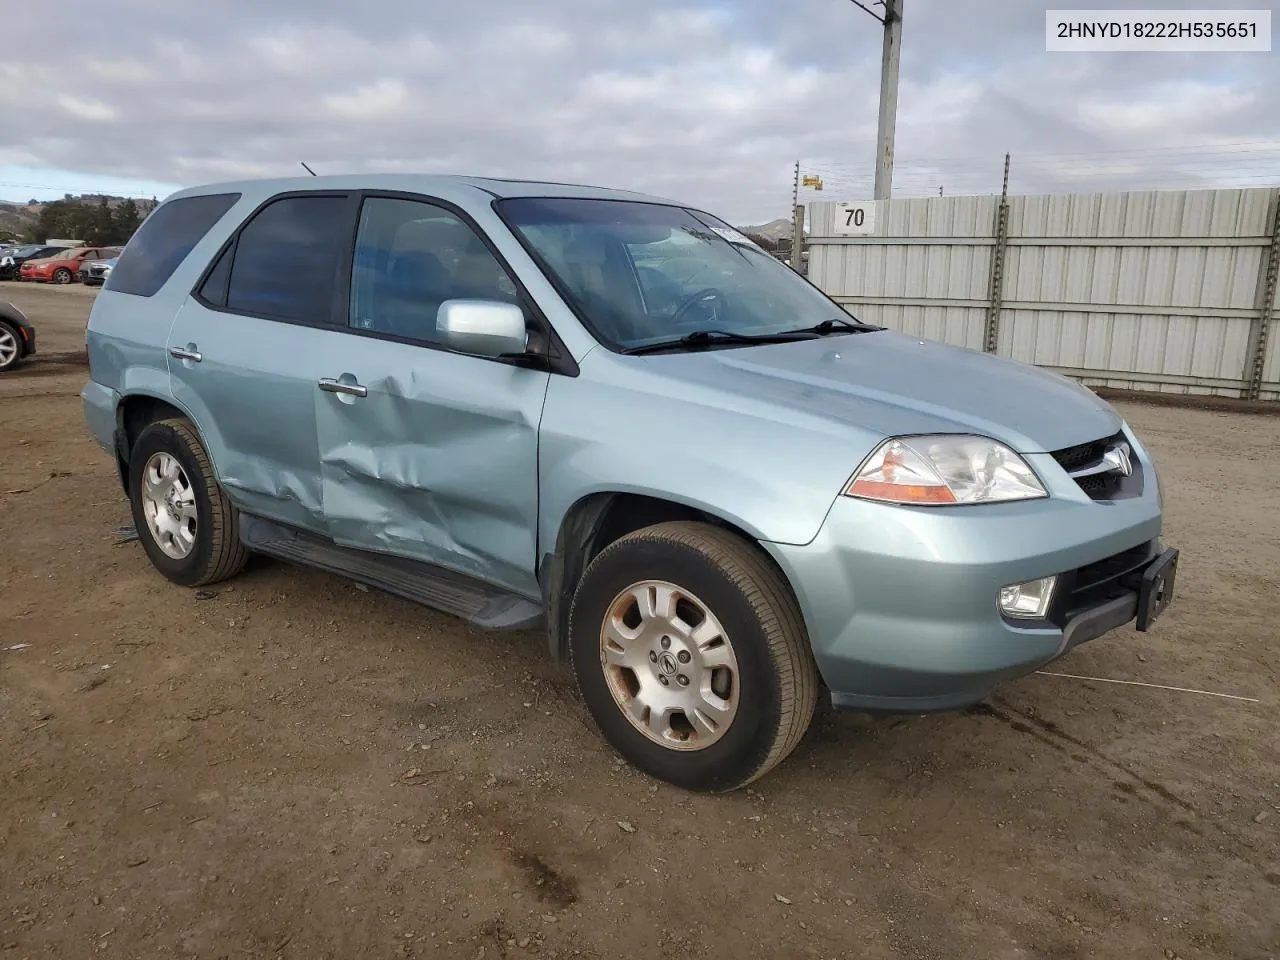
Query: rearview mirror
[488,328]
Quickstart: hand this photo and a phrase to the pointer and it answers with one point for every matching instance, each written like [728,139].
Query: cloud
[80,108]
[706,101]
[383,100]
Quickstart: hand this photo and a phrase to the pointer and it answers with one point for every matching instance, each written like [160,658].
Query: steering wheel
[707,295]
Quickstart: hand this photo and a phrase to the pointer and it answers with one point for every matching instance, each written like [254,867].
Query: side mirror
[488,328]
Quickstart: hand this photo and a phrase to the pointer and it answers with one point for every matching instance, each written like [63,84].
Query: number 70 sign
[854,219]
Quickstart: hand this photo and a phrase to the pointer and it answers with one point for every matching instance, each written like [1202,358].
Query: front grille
[1104,485]
[1100,486]
[1084,454]
[1100,581]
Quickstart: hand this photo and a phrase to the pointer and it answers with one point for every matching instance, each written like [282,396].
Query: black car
[17,337]
[11,261]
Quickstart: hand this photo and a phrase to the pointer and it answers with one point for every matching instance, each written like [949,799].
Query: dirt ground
[296,767]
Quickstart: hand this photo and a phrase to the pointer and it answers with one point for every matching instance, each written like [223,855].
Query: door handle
[184,354]
[329,385]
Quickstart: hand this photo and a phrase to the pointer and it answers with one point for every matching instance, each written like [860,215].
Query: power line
[54,188]
[1266,146]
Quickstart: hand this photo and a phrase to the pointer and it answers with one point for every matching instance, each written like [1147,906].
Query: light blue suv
[614,416]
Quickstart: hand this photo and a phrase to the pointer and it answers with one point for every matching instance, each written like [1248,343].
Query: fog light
[1027,601]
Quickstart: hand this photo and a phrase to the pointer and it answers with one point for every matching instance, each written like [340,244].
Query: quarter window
[411,257]
[163,241]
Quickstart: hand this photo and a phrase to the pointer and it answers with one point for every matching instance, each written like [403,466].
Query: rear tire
[702,608]
[186,524]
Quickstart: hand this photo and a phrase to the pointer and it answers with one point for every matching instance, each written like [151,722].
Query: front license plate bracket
[1155,592]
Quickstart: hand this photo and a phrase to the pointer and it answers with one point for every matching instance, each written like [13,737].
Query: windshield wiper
[707,338]
[830,326]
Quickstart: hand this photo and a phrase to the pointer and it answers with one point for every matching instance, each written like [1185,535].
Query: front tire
[62,275]
[189,529]
[10,347]
[692,656]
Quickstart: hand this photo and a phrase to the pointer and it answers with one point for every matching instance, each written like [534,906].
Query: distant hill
[775,230]
[17,218]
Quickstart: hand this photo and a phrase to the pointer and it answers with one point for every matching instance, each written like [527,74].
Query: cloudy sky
[706,101]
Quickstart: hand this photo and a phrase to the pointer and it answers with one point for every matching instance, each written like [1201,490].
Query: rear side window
[164,240]
[284,264]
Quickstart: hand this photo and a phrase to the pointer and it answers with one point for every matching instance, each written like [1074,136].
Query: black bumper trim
[1093,623]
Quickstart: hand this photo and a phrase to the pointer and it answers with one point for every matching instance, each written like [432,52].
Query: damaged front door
[428,453]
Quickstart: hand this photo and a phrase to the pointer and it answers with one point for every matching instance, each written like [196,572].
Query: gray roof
[419,183]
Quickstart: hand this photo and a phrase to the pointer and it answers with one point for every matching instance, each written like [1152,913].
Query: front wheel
[62,275]
[10,348]
[692,656]
[189,529]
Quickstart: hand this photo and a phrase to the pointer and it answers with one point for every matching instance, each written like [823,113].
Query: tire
[759,716]
[62,275]
[214,551]
[10,347]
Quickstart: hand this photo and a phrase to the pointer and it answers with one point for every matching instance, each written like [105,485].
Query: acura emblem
[1117,458]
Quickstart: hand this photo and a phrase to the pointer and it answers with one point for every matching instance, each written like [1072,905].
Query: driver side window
[412,256]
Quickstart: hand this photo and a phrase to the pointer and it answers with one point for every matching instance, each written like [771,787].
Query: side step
[482,604]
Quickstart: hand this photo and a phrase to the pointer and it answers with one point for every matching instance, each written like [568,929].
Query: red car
[64,266]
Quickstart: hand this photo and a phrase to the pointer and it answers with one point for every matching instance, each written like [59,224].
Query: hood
[898,385]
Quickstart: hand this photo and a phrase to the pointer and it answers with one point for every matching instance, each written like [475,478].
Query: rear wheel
[692,656]
[189,529]
[62,275]
[10,347]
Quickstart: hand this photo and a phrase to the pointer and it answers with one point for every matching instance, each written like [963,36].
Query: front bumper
[901,603]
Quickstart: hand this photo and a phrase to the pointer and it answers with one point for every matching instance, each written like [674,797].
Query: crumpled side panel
[252,397]
[438,462]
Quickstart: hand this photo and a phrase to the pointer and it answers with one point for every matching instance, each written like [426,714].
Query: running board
[482,604]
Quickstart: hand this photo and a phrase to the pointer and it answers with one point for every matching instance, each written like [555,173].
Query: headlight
[944,469]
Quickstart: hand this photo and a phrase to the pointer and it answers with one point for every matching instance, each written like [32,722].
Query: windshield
[644,273]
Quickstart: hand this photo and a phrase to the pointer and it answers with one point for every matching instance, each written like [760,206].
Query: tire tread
[766,591]
[228,555]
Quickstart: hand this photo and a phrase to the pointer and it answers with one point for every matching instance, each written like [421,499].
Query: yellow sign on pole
[815,182]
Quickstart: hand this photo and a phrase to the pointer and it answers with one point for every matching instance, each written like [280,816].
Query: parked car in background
[614,416]
[12,259]
[64,265]
[94,273]
[17,336]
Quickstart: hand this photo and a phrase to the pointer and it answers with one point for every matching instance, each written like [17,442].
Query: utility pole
[890,57]
[795,188]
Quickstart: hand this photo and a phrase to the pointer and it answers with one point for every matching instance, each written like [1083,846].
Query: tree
[98,224]
[127,221]
[101,232]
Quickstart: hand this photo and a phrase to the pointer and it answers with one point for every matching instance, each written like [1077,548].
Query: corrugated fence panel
[918,288]
[1271,364]
[1149,290]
